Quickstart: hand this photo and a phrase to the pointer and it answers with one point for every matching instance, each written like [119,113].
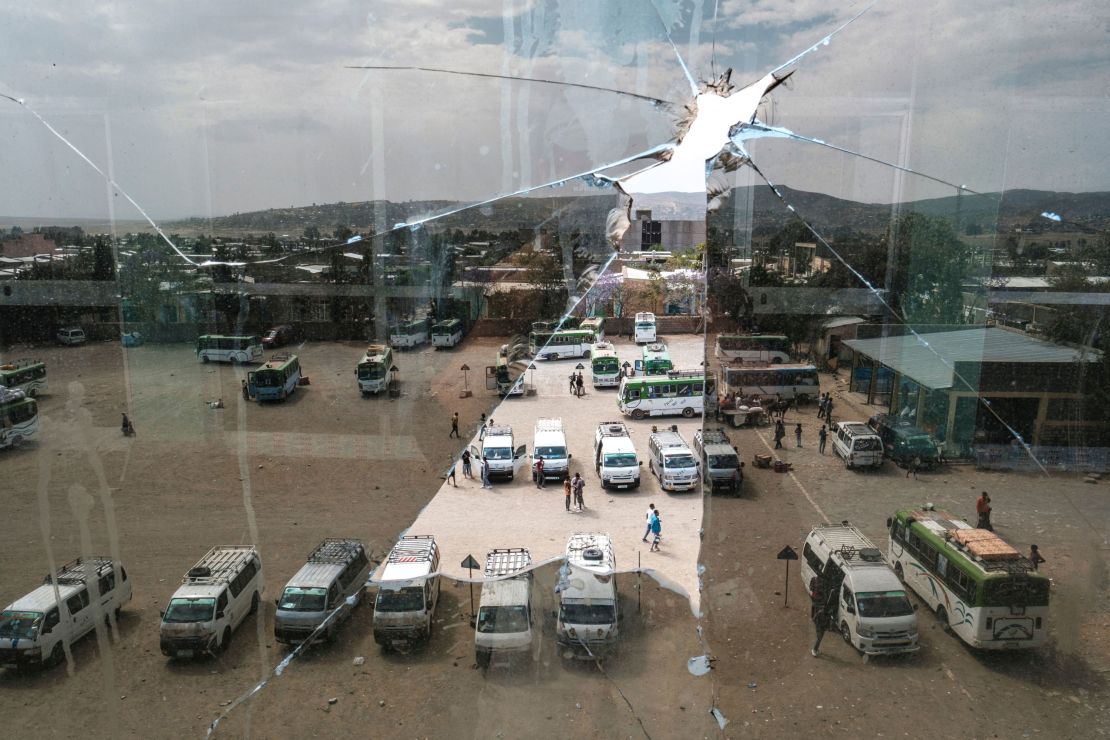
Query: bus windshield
[620,460]
[606,364]
[19,625]
[304,599]
[883,604]
[190,610]
[503,619]
[679,461]
[371,371]
[588,614]
[409,599]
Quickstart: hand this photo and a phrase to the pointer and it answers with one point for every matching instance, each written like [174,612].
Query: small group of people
[780,433]
[825,407]
[577,384]
[654,527]
[468,469]
[575,488]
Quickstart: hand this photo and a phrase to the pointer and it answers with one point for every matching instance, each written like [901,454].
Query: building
[977,386]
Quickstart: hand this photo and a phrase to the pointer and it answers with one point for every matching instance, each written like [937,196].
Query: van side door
[520,459]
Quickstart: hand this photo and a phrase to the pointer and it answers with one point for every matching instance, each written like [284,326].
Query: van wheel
[482,659]
[17,441]
[942,615]
[254,603]
[225,640]
[898,572]
[204,359]
[33,393]
[688,412]
[57,655]
[637,414]
[846,633]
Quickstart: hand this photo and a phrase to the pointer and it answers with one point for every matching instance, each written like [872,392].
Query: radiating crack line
[678,56]
[582,85]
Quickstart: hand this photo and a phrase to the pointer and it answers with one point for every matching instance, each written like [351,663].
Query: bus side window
[684,390]
[942,564]
[898,532]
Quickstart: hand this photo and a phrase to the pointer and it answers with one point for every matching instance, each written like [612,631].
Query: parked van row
[506,458]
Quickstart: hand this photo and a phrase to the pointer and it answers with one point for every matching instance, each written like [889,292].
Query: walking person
[1035,557]
[647,520]
[482,427]
[822,438]
[780,432]
[538,474]
[798,435]
[454,426]
[828,410]
[578,485]
[485,473]
[912,465]
[246,391]
[566,490]
[466,464]
[573,383]
[450,477]
[656,531]
[983,509]
[580,383]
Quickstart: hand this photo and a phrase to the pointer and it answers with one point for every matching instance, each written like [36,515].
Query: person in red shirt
[983,509]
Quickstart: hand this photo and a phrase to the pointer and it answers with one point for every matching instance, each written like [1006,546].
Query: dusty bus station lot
[330,463]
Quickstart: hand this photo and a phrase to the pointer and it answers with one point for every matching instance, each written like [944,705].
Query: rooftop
[930,358]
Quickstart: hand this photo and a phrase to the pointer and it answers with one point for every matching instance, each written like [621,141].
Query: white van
[37,628]
[615,456]
[588,624]
[499,448]
[215,597]
[408,591]
[550,443]
[71,335]
[331,581]
[645,327]
[874,614]
[504,623]
[671,460]
[858,444]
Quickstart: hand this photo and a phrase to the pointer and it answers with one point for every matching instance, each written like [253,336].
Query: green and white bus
[605,364]
[656,360]
[447,333]
[373,369]
[409,334]
[276,380]
[236,350]
[560,344]
[978,586]
[28,376]
[677,392]
[19,418]
[770,348]
[596,324]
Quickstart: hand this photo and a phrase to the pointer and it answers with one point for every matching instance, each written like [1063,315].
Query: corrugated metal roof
[841,321]
[929,358]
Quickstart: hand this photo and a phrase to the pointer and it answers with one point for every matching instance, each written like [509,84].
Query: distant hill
[588,213]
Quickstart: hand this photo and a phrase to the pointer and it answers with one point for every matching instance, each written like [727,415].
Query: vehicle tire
[637,414]
[942,615]
[254,603]
[846,633]
[688,412]
[482,659]
[119,609]
[899,572]
[33,393]
[17,441]
[57,655]
[204,359]
[225,640]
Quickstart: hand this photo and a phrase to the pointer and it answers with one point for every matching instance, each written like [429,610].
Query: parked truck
[504,623]
[588,624]
[721,467]
[408,591]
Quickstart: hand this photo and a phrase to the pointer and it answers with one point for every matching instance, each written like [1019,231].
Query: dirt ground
[330,463]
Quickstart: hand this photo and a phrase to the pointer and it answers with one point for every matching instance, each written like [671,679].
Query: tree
[930,267]
[104,261]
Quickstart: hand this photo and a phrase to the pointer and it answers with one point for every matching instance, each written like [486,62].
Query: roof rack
[281,357]
[413,548]
[613,429]
[335,550]
[220,565]
[76,572]
[21,362]
[715,435]
[507,561]
[676,374]
[499,430]
[548,425]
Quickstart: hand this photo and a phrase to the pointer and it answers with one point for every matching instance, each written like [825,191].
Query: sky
[208,109]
